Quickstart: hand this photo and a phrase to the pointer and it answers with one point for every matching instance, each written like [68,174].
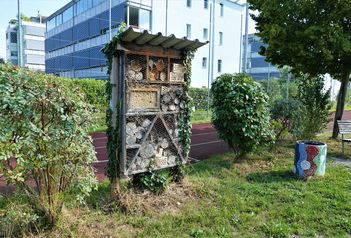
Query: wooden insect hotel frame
[148,95]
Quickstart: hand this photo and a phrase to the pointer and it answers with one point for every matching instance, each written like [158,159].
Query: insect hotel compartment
[157,69]
[150,144]
[135,67]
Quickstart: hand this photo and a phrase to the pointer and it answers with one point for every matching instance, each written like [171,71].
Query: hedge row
[199,96]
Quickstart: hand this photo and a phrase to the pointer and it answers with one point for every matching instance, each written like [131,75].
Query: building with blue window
[257,66]
[32,53]
[77,32]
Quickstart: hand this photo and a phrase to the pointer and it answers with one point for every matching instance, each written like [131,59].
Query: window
[219,66]
[139,18]
[206,4]
[144,19]
[205,34]
[13,37]
[222,9]
[14,53]
[188,30]
[50,24]
[220,38]
[67,14]
[188,3]
[133,16]
[58,20]
[204,62]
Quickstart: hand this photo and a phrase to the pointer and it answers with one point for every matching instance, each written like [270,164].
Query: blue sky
[29,8]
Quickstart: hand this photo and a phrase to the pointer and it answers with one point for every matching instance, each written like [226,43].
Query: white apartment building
[33,47]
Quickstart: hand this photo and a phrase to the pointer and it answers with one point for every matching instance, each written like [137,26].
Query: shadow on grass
[272,177]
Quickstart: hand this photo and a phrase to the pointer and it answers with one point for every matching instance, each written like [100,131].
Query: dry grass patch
[134,201]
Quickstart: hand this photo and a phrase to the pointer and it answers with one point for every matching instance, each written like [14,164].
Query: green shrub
[17,219]
[43,138]
[287,117]
[200,98]
[154,181]
[94,91]
[316,104]
[240,112]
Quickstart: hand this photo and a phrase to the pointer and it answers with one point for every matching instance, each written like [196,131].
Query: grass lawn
[256,197]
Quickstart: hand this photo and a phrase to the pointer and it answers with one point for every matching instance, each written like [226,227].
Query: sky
[46,8]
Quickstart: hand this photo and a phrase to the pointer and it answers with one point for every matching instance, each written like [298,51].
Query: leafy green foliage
[316,105]
[2,61]
[240,112]
[154,181]
[112,132]
[200,98]
[287,116]
[44,138]
[310,36]
[278,89]
[185,114]
[94,91]
[18,218]
[178,172]
[313,37]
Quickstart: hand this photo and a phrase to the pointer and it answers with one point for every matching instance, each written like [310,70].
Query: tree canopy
[311,36]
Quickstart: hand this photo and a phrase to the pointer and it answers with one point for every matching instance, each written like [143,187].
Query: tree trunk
[341,101]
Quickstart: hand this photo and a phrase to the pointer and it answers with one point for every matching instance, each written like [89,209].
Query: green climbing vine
[112,131]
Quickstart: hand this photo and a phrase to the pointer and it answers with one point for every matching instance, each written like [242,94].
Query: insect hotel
[148,99]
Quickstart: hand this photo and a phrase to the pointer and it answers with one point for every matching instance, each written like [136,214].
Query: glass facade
[76,9]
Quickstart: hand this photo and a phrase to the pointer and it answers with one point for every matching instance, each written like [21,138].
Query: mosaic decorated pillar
[310,158]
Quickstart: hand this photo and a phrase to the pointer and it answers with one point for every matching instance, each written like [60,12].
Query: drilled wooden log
[146,123]
[139,76]
[164,143]
[163,76]
[130,128]
[135,65]
[172,107]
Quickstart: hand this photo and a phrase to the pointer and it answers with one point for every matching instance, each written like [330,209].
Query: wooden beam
[157,51]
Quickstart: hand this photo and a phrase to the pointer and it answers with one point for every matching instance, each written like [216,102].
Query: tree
[2,61]
[311,36]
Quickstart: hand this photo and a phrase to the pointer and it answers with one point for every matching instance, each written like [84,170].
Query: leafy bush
[200,98]
[94,91]
[44,139]
[287,116]
[155,181]
[17,219]
[240,112]
[316,104]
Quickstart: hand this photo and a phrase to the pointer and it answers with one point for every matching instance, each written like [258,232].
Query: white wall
[179,15]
